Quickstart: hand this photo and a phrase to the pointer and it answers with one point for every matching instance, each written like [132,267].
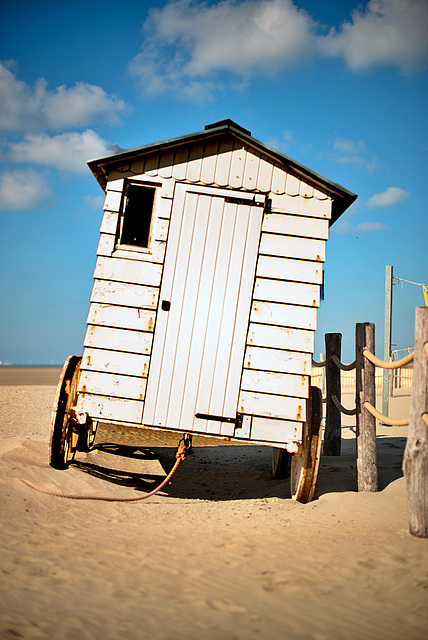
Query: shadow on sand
[218,470]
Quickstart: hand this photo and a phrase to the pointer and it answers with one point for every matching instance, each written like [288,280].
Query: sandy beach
[221,553]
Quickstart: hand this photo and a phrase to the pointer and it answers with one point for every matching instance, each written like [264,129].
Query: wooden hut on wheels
[204,305]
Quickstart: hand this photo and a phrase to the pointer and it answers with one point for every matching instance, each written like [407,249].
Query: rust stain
[299,413]
[318,258]
[150,325]
[141,397]
[144,369]
[249,364]
[84,388]
[88,361]
[314,303]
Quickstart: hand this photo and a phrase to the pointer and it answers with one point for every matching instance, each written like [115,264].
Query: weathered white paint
[131,364]
[294,225]
[156,252]
[128,271]
[272,406]
[118,339]
[109,222]
[199,345]
[110,315]
[105,245]
[287,292]
[121,293]
[287,269]
[236,165]
[208,278]
[285,315]
[112,201]
[277,360]
[277,383]
[112,385]
[270,430]
[292,247]
[262,335]
[110,408]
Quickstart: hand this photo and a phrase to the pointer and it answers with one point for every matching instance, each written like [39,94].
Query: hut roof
[342,198]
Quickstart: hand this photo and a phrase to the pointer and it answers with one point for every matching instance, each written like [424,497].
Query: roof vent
[229,124]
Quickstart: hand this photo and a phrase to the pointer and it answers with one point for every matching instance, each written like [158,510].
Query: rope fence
[365,369]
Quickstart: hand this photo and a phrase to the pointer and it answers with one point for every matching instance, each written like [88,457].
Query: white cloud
[25,109]
[67,151]
[351,147]
[194,48]
[186,41]
[384,32]
[345,227]
[389,197]
[23,189]
[354,152]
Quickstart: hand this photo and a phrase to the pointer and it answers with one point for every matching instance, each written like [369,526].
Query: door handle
[166,305]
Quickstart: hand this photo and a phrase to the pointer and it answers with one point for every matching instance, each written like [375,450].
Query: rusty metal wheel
[65,432]
[305,463]
[280,463]
[87,436]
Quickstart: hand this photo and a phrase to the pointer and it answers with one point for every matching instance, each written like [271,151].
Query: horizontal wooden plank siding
[109,222]
[272,406]
[110,315]
[285,315]
[118,339]
[131,364]
[288,269]
[292,247]
[277,360]
[130,295]
[277,383]
[110,408]
[112,385]
[307,295]
[312,207]
[294,225]
[281,338]
[271,430]
[129,271]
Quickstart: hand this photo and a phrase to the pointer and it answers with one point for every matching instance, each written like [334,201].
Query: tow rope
[180,455]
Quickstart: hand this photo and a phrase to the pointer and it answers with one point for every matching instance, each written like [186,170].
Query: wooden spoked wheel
[65,432]
[280,463]
[305,463]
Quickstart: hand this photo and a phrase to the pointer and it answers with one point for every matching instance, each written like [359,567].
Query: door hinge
[206,416]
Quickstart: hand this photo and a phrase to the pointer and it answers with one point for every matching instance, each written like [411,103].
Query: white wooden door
[205,301]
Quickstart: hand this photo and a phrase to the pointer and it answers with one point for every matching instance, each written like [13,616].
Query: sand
[221,553]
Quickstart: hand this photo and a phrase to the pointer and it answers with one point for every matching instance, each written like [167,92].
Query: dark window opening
[137,215]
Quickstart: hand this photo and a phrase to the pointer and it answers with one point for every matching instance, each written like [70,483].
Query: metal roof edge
[342,198]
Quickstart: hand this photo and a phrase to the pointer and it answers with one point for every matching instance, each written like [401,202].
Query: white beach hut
[206,288]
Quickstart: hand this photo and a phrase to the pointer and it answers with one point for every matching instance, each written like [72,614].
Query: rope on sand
[180,456]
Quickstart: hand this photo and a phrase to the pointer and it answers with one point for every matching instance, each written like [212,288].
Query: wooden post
[366,423]
[333,421]
[415,463]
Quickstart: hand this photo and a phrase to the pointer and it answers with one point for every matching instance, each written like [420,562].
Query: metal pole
[387,337]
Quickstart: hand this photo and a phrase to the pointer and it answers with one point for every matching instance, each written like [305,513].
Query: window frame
[119,245]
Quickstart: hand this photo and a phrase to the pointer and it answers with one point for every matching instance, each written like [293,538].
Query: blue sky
[340,87]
